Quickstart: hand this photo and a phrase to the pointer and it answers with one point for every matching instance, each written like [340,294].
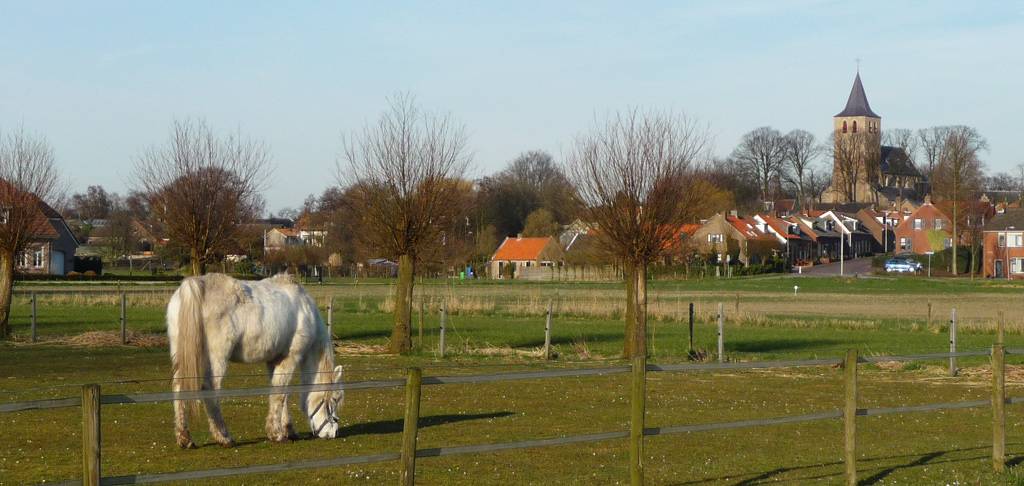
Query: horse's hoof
[227,444]
[187,445]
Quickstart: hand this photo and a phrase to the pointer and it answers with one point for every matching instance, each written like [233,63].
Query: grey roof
[1012,217]
[895,161]
[857,103]
[895,193]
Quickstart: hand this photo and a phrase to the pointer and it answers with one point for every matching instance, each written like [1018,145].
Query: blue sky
[103,80]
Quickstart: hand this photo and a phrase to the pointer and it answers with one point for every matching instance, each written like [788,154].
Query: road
[860,266]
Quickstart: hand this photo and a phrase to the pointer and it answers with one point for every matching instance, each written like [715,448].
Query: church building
[865,171]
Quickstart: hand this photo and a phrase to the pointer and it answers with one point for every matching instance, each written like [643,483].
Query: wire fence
[91,402]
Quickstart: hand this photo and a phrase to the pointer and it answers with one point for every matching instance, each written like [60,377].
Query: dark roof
[895,161]
[857,103]
[1011,217]
[895,193]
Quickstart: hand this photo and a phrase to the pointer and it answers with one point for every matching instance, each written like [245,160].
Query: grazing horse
[214,319]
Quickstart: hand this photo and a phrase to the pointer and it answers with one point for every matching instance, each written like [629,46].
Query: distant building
[886,175]
[926,229]
[1003,243]
[517,257]
[52,248]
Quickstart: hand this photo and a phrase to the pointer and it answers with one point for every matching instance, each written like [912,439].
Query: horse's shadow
[383,427]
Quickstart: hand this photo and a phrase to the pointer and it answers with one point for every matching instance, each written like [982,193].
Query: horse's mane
[282,279]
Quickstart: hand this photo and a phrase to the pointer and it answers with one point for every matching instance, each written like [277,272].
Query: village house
[52,248]
[526,258]
[797,246]
[728,238]
[926,229]
[1003,243]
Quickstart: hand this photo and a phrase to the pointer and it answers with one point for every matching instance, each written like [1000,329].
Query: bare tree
[631,179]
[28,180]
[958,175]
[406,170]
[204,188]
[930,141]
[802,150]
[763,152]
[854,164]
[818,181]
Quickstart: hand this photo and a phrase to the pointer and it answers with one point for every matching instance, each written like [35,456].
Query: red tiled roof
[745,228]
[781,226]
[521,249]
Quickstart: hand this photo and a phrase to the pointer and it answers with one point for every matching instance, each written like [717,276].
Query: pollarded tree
[406,172]
[632,176]
[28,181]
[203,188]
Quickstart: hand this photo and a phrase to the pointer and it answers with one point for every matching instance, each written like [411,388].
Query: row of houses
[804,238]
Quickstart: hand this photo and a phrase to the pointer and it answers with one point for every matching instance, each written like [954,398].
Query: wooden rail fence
[92,400]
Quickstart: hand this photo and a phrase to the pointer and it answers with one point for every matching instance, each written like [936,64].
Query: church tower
[858,145]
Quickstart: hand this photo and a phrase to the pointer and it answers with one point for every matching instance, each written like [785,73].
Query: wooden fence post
[952,342]
[90,435]
[850,417]
[929,316]
[638,397]
[34,333]
[330,317]
[124,318]
[444,319]
[691,327]
[547,333]
[721,335]
[999,401]
[410,426]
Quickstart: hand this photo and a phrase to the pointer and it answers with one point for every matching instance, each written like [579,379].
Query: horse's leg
[279,426]
[218,429]
[182,436]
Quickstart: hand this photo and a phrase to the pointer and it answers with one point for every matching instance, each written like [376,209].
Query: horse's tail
[190,359]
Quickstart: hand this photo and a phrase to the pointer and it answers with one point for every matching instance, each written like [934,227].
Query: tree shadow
[395,426]
[780,344]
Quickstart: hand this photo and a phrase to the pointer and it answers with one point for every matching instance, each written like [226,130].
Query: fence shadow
[780,344]
[367,334]
[395,426]
[884,472]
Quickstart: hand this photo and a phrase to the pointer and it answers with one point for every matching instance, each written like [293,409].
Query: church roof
[895,161]
[857,103]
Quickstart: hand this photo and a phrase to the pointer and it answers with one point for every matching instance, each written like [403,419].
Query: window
[855,126]
[37,258]
[1016,240]
[5,214]
[716,238]
[904,243]
[938,223]
[918,224]
[1017,265]
[948,243]
[844,127]
[1002,240]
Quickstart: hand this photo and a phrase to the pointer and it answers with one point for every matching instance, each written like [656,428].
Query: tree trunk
[954,237]
[6,287]
[401,334]
[639,331]
[629,276]
[196,261]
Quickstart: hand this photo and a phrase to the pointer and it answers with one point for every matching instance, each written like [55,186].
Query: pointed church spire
[857,104]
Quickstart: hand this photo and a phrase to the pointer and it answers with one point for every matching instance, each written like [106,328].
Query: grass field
[493,327]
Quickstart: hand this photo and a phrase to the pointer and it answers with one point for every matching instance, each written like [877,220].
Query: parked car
[901,265]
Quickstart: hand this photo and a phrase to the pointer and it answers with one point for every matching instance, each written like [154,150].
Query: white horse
[214,318]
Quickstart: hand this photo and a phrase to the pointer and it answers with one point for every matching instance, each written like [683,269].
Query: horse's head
[323,407]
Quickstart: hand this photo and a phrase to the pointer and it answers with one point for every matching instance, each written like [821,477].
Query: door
[56,263]
[999,269]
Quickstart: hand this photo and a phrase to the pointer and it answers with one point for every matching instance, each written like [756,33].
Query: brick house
[1003,243]
[926,229]
[728,238]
